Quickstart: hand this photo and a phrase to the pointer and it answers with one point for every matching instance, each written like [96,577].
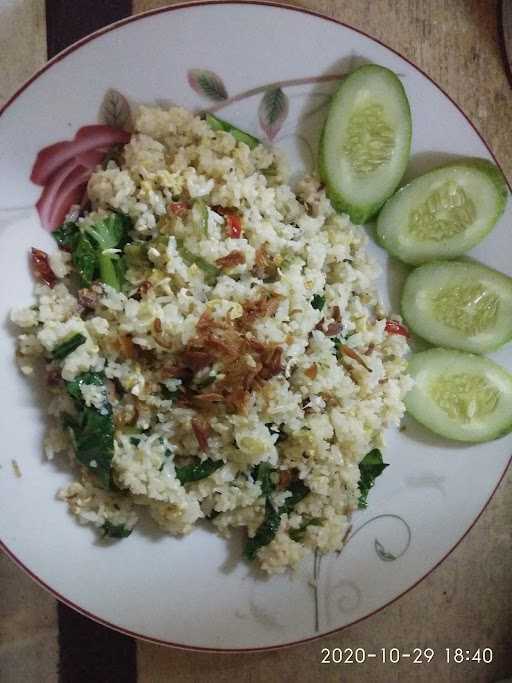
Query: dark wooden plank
[68,21]
[505,33]
[91,653]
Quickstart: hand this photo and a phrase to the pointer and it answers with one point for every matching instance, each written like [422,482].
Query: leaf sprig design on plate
[273,111]
[115,109]
[208,84]
[382,553]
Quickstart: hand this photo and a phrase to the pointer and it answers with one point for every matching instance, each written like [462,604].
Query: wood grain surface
[505,34]
[22,42]
[467,601]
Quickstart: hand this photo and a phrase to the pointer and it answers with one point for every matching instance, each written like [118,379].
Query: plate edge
[280,5]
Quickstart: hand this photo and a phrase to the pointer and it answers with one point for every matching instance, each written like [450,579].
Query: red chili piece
[394,327]
[234,223]
[177,208]
[42,268]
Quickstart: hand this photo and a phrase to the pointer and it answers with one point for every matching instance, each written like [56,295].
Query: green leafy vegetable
[318,302]
[215,123]
[211,272]
[297,535]
[200,216]
[120,267]
[370,467]
[115,530]
[66,347]
[110,233]
[273,429]
[108,271]
[92,429]
[169,395]
[69,422]
[167,454]
[219,124]
[265,474]
[67,235]
[89,246]
[188,473]
[265,532]
[85,260]
[299,491]
[74,387]
[93,437]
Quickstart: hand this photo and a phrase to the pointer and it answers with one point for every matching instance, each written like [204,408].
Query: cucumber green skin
[362,213]
[486,167]
[416,402]
[459,341]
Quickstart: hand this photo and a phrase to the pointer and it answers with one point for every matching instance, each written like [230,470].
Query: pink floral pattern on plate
[64,168]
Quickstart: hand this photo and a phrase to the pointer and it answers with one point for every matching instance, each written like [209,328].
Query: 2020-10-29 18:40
[394,655]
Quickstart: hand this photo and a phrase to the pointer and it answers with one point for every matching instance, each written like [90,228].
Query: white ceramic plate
[195,592]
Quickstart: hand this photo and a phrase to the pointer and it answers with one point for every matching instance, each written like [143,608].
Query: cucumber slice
[443,213]
[459,395]
[366,141]
[459,305]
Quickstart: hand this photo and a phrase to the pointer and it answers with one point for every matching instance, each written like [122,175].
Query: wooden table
[467,601]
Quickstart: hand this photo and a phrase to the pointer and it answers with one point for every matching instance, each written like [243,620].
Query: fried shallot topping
[234,258]
[264,265]
[242,362]
[202,432]
[264,307]
[127,348]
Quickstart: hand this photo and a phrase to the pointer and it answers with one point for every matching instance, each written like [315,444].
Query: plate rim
[302,10]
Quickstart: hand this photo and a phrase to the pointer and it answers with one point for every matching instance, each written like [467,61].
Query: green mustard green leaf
[201,470]
[240,135]
[318,302]
[115,530]
[73,387]
[92,430]
[269,527]
[85,260]
[68,346]
[299,491]
[370,467]
[210,271]
[66,235]
[265,532]
[298,534]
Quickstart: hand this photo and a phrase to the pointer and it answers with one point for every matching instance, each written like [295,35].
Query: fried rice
[248,335]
